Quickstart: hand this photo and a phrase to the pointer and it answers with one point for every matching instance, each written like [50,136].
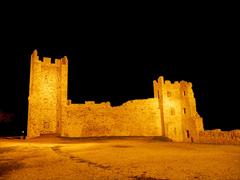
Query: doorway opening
[188,134]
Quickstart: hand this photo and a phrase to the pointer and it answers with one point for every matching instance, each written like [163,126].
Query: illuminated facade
[171,112]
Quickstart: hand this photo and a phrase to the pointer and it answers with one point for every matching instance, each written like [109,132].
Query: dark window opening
[168,94]
[188,134]
[184,110]
[184,93]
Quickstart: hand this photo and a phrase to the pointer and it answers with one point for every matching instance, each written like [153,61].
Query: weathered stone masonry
[217,136]
[171,112]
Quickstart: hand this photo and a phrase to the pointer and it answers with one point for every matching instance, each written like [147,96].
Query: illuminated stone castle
[171,112]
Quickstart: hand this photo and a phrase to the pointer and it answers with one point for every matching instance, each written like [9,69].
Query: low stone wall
[220,137]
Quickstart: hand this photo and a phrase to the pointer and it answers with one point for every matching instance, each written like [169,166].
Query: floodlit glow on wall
[51,112]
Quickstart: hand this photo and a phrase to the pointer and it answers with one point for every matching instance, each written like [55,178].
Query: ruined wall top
[175,84]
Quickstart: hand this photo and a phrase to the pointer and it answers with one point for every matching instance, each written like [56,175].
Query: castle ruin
[171,112]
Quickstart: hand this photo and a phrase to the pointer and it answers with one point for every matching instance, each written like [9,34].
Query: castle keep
[171,112]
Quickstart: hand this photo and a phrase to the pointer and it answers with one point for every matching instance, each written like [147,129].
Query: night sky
[118,61]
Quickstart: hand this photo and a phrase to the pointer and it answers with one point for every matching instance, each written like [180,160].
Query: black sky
[117,59]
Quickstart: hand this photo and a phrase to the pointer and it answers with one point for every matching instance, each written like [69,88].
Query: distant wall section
[220,137]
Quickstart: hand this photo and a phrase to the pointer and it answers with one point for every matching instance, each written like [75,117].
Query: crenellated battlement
[48,60]
[168,83]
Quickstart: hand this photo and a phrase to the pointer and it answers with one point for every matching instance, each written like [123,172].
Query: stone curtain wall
[220,137]
[133,118]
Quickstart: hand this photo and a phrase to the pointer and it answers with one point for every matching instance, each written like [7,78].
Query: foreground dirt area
[116,158]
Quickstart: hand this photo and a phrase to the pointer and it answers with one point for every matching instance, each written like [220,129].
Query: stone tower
[179,117]
[47,94]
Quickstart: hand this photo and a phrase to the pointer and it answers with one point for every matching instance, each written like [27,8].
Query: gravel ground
[116,158]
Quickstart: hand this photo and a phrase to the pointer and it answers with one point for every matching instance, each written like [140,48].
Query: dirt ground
[116,158]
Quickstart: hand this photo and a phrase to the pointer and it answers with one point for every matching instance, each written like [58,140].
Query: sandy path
[117,159]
